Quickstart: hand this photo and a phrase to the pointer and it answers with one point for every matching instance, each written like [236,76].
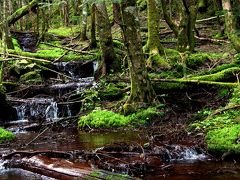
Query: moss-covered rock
[6,136]
[103,119]
[109,119]
[32,77]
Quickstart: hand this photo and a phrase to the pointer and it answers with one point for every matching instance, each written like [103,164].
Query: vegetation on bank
[110,119]
[222,126]
[6,136]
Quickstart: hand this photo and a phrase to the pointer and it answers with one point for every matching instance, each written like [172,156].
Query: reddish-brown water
[189,166]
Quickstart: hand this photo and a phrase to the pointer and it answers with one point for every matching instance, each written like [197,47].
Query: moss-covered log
[18,14]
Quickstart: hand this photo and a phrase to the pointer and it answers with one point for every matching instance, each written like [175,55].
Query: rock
[6,111]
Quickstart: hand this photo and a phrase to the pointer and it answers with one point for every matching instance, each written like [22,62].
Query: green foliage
[103,119]
[6,136]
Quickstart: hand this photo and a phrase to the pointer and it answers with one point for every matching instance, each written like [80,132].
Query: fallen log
[63,169]
[69,49]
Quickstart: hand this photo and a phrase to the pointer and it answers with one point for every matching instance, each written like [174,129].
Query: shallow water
[185,163]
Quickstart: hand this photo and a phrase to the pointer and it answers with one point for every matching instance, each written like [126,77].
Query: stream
[134,152]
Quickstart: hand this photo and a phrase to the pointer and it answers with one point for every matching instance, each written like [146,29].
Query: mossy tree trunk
[108,61]
[168,18]
[142,92]
[154,46]
[188,14]
[84,20]
[66,13]
[93,43]
[232,21]
[116,13]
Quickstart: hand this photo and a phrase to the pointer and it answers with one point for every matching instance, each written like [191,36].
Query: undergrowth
[6,136]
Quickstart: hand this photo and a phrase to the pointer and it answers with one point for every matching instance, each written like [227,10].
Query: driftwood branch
[27,58]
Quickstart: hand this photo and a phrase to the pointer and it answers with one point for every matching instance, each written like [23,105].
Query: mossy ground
[109,119]
[6,136]
[222,126]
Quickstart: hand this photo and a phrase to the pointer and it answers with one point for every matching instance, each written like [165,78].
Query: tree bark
[108,62]
[186,27]
[93,43]
[84,21]
[154,46]
[142,93]
[232,22]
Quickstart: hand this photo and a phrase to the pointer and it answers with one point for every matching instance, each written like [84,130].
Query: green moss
[223,75]
[195,60]
[222,127]
[110,92]
[16,45]
[145,116]
[109,119]
[6,136]
[156,61]
[109,176]
[32,77]
[65,31]
[224,139]
[103,119]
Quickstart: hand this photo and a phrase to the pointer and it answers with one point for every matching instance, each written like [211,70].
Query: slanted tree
[185,30]
[232,21]
[142,93]
[109,61]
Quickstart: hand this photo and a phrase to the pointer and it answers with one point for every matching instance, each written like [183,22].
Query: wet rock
[6,111]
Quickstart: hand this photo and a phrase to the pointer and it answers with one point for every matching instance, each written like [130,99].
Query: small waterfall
[37,108]
[179,153]
[21,110]
[52,111]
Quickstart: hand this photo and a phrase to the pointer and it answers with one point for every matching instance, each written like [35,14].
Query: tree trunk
[154,46]
[186,40]
[142,93]
[66,13]
[168,19]
[93,43]
[109,62]
[232,22]
[84,21]
[116,13]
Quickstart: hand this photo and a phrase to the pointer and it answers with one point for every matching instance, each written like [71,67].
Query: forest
[119,89]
